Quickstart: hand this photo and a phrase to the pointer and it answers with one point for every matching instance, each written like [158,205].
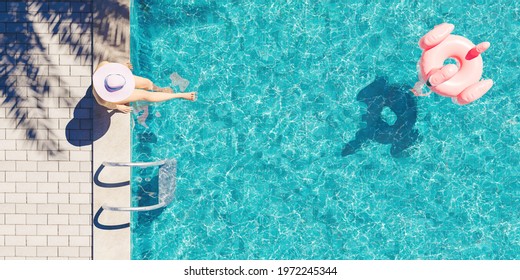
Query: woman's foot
[124,109]
[192,96]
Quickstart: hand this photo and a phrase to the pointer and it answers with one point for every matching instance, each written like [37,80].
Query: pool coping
[110,230]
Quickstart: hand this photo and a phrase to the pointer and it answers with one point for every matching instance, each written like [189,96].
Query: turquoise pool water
[305,142]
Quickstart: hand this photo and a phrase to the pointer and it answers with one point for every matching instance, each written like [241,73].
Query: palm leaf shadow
[28,73]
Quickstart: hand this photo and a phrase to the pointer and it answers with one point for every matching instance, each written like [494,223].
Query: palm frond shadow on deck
[29,78]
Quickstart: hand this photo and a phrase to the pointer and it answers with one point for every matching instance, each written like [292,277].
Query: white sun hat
[113,82]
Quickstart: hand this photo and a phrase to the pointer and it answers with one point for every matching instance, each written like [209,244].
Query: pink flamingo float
[461,82]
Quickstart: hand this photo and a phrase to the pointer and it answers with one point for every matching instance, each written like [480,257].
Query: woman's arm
[100,101]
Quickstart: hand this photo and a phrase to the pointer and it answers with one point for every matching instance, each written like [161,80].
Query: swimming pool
[270,161]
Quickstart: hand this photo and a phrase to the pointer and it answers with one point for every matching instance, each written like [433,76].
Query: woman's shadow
[401,135]
[81,130]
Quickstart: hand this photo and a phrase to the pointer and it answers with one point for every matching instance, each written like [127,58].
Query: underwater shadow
[147,193]
[401,135]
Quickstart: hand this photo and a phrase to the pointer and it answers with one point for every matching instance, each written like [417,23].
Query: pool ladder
[166,188]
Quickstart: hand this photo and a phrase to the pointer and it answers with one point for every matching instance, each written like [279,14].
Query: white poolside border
[114,145]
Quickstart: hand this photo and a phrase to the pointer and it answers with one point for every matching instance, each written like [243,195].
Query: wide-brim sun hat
[113,82]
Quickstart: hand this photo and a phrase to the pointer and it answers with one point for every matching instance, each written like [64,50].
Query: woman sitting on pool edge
[114,86]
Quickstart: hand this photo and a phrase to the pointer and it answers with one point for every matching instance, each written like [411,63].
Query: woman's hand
[129,65]
[124,109]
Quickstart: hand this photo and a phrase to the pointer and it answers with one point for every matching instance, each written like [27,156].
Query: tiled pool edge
[114,145]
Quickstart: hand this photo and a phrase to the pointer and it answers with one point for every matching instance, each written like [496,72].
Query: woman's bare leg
[155,96]
[147,84]
[143,83]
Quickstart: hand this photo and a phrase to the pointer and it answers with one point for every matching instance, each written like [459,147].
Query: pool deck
[111,232]
[53,135]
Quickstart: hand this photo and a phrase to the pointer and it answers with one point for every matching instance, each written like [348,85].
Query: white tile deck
[46,199]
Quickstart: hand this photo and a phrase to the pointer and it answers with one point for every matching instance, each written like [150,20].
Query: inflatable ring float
[461,82]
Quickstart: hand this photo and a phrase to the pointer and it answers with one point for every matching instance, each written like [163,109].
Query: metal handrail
[134,209]
[162,188]
[135,164]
